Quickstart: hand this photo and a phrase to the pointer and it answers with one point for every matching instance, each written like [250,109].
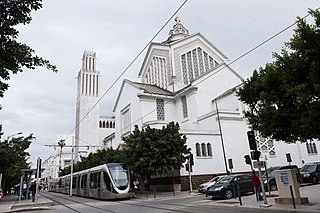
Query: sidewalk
[11,203]
[249,201]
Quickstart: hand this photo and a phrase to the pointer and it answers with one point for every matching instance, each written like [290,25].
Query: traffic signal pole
[255,156]
[190,181]
[262,184]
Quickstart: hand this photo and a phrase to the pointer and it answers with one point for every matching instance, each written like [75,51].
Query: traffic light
[248,159]
[187,168]
[255,155]
[191,160]
[252,140]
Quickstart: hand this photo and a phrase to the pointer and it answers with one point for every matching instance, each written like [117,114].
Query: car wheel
[314,180]
[273,187]
[228,194]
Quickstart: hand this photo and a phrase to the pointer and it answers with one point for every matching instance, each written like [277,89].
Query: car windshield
[271,172]
[214,179]
[225,180]
[308,168]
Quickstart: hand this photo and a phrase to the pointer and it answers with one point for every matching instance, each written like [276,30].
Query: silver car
[202,188]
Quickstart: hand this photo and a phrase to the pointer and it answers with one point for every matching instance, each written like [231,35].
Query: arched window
[308,148]
[107,124]
[209,149]
[100,124]
[104,124]
[114,124]
[198,149]
[315,148]
[204,149]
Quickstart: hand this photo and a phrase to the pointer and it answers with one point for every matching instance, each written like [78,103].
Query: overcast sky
[43,103]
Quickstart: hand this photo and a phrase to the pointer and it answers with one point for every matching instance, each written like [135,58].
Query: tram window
[84,181]
[98,180]
[78,182]
[107,181]
[60,183]
[74,182]
[93,180]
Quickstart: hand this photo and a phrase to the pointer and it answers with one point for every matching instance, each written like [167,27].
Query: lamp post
[71,172]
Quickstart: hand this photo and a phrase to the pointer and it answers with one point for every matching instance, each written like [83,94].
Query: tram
[108,181]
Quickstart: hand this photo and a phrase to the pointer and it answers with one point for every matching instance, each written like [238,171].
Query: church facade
[186,79]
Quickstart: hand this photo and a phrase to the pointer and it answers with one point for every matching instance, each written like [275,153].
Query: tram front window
[119,173]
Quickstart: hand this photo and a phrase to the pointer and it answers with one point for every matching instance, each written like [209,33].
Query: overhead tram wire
[126,69]
[235,60]
[225,65]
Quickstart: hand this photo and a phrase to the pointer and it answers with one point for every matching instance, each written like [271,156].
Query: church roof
[178,32]
[151,89]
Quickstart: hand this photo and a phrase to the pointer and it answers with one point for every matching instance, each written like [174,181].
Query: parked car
[272,179]
[310,173]
[202,188]
[227,186]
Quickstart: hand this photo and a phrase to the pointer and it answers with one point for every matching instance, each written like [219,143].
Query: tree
[13,158]
[102,156]
[156,151]
[14,56]
[283,97]
[61,144]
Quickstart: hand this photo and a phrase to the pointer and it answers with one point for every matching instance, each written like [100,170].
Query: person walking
[33,190]
[136,186]
[146,185]
[257,185]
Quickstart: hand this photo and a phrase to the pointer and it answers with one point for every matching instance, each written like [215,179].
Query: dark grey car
[310,173]
[228,186]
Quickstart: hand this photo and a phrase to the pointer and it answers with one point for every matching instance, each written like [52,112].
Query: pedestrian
[257,185]
[146,185]
[33,190]
[136,186]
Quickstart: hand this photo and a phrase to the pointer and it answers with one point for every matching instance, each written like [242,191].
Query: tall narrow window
[184,69]
[198,150]
[209,149]
[160,109]
[126,120]
[314,148]
[184,106]
[204,149]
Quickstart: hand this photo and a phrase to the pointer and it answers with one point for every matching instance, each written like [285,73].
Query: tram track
[62,203]
[173,207]
[162,206]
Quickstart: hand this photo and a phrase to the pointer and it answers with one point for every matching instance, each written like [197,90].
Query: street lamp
[10,136]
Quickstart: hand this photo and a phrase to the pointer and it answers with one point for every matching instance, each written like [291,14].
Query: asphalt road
[186,204]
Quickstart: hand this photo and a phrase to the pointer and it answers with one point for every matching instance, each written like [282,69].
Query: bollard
[239,194]
[154,191]
[292,197]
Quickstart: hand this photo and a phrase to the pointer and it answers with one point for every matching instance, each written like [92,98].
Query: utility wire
[126,69]
[217,71]
[231,62]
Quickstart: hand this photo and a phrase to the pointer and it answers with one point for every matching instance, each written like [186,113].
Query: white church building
[184,79]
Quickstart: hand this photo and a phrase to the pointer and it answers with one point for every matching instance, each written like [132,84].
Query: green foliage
[155,151]
[13,54]
[283,97]
[102,156]
[13,158]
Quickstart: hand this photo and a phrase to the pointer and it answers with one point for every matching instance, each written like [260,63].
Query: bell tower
[87,109]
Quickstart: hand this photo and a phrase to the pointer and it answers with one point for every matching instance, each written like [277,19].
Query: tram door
[84,185]
[99,184]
